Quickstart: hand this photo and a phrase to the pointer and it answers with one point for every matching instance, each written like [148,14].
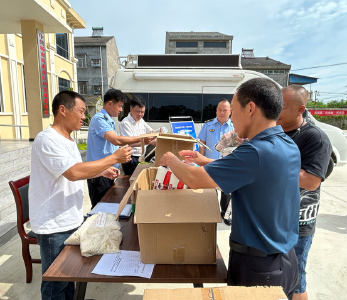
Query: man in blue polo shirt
[263,176]
[103,140]
[210,134]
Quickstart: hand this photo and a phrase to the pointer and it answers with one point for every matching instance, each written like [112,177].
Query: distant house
[97,65]
[274,69]
[198,43]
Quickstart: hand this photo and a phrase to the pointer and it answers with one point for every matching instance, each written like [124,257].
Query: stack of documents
[125,263]
[111,208]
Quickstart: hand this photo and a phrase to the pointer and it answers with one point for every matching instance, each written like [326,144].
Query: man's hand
[110,173]
[148,140]
[153,142]
[195,157]
[166,158]
[123,154]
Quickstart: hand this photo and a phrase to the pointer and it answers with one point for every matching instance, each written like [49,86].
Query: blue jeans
[301,250]
[50,247]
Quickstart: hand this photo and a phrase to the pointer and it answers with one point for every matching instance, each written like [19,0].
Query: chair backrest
[20,190]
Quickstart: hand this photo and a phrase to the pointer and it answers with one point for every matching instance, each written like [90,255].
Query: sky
[301,33]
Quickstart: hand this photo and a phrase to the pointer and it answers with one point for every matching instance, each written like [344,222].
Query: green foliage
[86,121]
[82,146]
[338,121]
[332,104]
[70,89]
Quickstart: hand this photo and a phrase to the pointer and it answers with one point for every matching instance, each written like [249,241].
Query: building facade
[98,62]
[37,60]
[198,43]
[274,69]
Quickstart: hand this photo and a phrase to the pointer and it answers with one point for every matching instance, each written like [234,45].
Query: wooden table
[70,265]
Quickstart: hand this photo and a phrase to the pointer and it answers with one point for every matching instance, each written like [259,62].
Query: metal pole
[102,78]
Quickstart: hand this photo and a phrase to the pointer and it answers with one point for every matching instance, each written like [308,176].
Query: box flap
[177,206]
[219,293]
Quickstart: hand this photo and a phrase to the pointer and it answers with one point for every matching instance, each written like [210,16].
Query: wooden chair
[20,190]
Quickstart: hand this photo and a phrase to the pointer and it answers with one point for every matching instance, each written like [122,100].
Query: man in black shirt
[315,150]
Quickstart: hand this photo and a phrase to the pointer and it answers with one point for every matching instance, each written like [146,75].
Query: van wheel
[330,167]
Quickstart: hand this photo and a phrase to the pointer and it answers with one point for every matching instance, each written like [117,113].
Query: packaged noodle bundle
[228,143]
[166,180]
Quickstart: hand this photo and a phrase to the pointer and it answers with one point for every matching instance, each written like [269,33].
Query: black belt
[239,248]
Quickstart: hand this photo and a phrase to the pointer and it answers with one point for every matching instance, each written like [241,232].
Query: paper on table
[111,208]
[125,263]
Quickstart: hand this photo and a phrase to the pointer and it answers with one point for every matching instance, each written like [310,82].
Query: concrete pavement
[327,262]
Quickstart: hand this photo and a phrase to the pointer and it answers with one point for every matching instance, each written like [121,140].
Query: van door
[210,98]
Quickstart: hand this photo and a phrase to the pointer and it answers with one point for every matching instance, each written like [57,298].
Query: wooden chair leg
[27,262]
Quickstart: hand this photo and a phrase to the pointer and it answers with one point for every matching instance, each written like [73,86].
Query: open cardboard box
[175,226]
[219,293]
[171,142]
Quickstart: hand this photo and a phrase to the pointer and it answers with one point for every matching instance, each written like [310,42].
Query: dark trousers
[50,247]
[130,167]
[224,202]
[97,188]
[273,270]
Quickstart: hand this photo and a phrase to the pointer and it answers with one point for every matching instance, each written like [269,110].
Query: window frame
[61,48]
[93,63]
[99,89]
[186,44]
[60,86]
[86,87]
[81,59]
[216,45]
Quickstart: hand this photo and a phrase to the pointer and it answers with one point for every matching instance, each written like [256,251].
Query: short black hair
[223,100]
[66,98]
[265,93]
[114,96]
[137,101]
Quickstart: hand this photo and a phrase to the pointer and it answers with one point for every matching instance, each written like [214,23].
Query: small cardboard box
[138,170]
[219,293]
[175,226]
[171,142]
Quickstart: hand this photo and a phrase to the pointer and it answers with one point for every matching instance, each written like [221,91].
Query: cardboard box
[219,293]
[138,170]
[175,226]
[171,142]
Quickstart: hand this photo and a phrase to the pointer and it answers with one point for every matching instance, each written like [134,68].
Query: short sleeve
[101,126]
[55,157]
[315,156]
[202,134]
[236,169]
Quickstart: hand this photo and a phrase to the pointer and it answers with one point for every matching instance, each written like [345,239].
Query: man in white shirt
[134,125]
[56,184]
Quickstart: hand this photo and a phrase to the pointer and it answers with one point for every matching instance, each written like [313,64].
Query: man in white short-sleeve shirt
[56,184]
[134,125]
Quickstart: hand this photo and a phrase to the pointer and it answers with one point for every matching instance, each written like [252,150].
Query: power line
[339,64]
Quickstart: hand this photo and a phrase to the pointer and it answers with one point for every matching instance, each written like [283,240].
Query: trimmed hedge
[338,121]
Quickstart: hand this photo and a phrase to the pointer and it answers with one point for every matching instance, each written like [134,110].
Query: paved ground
[327,265]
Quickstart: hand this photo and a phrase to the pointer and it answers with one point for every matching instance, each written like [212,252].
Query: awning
[301,79]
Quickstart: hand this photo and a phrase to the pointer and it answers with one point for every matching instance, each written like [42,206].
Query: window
[82,61]
[215,44]
[83,87]
[186,52]
[162,106]
[97,89]
[186,44]
[62,45]
[63,84]
[273,71]
[96,62]
[210,103]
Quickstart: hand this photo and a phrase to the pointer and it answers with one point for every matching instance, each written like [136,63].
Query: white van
[192,85]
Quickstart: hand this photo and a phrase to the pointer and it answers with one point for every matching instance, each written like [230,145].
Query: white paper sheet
[125,263]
